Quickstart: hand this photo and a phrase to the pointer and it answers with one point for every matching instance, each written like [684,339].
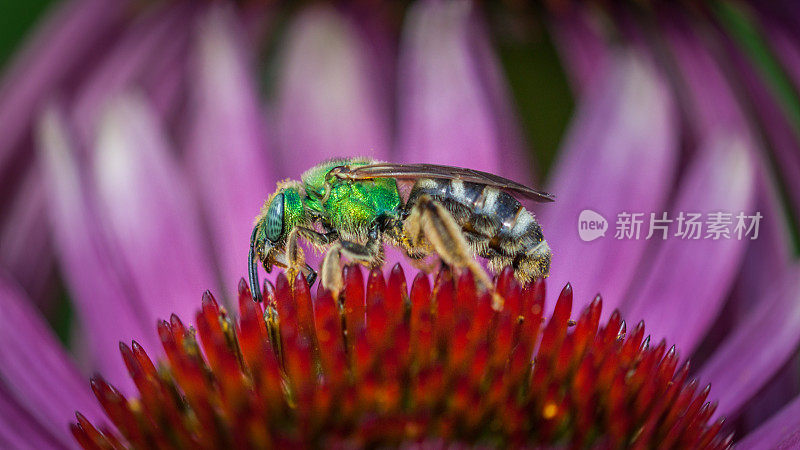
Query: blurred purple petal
[228,150]
[782,138]
[787,50]
[766,258]
[713,103]
[34,369]
[60,46]
[109,310]
[156,37]
[19,429]
[782,431]
[582,47]
[149,211]
[453,104]
[759,346]
[689,279]
[716,103]
[326,105]
[27,249]
[620,156]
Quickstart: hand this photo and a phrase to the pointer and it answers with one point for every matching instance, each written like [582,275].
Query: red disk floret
[379,365]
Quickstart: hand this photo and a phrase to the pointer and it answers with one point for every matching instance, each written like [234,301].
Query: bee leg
[417,260]
[445,235]
[394,229]
[331,269]
[370,254]
[312,275]
[294,254]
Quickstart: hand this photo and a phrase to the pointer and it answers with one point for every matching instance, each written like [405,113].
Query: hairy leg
[295,259]
[430,220]
[370,254]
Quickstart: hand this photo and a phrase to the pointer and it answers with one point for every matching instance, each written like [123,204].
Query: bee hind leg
[438,226]
[533,263]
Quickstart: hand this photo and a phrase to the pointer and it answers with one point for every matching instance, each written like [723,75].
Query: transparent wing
[416,171]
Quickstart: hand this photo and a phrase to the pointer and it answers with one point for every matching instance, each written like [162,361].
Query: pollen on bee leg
[331,270]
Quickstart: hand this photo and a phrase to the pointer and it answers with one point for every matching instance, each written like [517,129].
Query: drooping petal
[158,35]
[60,46]
[228,150]
[766,258]
[27,252]
[787,51]
[19,429]
[454,107]
[326,104]
[35,372]
[714,107]
[620,156]
[690,277]
[711,102]
[759,346]
[781,134]
[582,47]
[781,431]
[148,210]
[106,306]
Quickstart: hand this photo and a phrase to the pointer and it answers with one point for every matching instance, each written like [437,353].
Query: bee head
[281,212]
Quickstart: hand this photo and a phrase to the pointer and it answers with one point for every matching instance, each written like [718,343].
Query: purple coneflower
[154,153]
[392,367]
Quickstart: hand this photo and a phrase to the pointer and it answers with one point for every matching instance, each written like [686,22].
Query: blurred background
[139,138]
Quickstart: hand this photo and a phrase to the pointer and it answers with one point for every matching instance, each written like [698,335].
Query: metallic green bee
[352,206]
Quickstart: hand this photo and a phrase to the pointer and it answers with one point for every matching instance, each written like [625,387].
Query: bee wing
[416,171]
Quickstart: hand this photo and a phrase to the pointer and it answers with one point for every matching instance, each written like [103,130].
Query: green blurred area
[16,18]
[541,95]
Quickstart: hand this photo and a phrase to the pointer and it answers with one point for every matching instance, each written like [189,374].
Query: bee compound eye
[274,225]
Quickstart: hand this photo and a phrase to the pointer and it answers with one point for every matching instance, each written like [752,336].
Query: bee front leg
[430,219]
[370,254]
[294,254]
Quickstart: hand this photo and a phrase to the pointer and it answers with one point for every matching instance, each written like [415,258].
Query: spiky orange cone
[386,367]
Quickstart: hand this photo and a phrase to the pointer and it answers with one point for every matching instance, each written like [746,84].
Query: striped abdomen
[494,223]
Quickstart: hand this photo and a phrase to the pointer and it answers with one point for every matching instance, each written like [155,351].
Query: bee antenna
[252,267]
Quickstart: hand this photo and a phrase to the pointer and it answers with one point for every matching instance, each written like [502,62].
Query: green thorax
[351,204]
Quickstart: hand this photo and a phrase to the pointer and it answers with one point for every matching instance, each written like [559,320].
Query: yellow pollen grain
[550,410]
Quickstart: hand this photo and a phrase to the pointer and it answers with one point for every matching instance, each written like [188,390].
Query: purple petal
[61,45]
[35,372]
[781,431]
[227,151]
[582,47]
[759,346]
[620,156]
[19,429]
[149,212]
[689,279]
[786,49]
[155,38]
[27,253]
[454,107]
[327,105]
[766,258]
[713,103]
[781,135]
[108,309]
